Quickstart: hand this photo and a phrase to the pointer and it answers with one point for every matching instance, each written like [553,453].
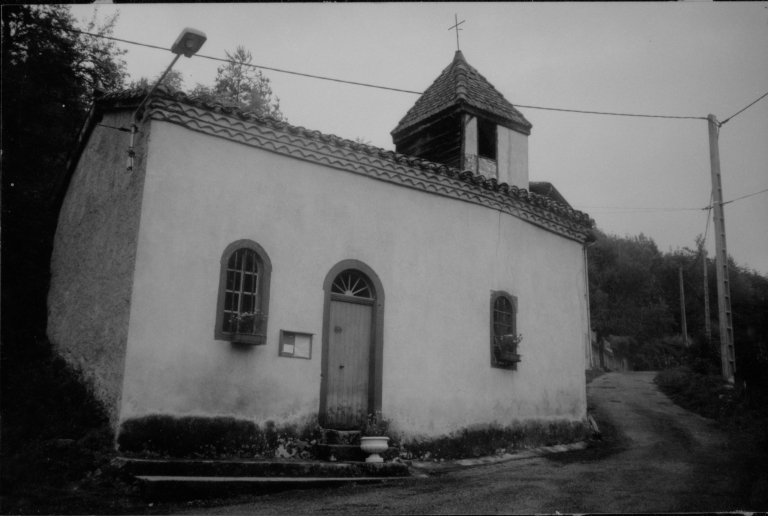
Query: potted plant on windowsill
[245,328]
[507,348]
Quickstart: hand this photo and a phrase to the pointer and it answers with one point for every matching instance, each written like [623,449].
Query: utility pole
[727,353]
[682,309]
[707,323]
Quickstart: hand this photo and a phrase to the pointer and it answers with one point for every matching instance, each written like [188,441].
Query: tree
[173,81]
[49,74]
[240,85]
[626,298]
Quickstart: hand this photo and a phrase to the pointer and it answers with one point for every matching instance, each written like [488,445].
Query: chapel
[248,268]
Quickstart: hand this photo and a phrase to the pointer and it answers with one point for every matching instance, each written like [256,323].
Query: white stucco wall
[437,258]
[512,153]
[92,263]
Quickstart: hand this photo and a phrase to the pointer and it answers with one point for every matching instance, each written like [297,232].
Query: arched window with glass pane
[243,301]
[505,340]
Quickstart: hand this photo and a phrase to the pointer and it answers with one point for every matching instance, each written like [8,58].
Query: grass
[743,415]
[593,374]
[57,442]
[216,437]
[491,439]
[710,396]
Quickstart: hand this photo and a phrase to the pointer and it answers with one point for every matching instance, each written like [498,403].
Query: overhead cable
[745,196]
[749,106]
[377,86]
[308,75]
[637,209]
[244,64]
[610,113]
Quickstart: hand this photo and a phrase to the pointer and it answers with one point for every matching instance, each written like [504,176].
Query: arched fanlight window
[243,303]
[352,283]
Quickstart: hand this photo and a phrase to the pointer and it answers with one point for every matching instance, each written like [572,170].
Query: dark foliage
[709,395]
[194,436]
[53,430]
[43,398]
[742,413]
[48,79]
[634,292]
[207,437]
[491,439]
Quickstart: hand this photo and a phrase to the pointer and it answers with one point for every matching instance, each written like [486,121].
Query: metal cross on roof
[456,19]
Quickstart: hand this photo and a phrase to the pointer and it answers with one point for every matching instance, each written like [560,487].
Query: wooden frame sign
[295,345]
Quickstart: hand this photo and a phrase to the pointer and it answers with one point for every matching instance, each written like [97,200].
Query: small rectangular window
[295,345]
[486,139]
[505,340]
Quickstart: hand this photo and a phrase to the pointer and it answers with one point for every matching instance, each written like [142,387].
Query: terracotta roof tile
[521,194]
[460,84]
[548,190]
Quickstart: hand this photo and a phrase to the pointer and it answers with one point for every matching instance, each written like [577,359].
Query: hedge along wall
[227,437]
[215,437]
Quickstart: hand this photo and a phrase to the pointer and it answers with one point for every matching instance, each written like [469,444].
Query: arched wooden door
[348,390]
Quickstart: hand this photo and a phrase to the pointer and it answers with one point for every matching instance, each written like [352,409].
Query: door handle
[341,367]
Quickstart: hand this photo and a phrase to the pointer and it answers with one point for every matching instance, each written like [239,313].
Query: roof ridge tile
[466,176]
[463,83]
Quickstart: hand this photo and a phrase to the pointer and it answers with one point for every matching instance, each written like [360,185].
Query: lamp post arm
[160,80]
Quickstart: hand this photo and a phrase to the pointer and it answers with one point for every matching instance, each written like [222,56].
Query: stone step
[350,453]
[154,488]
[259,468]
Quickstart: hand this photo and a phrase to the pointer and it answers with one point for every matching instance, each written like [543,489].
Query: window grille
[241,288]
[242,305]
[504,337]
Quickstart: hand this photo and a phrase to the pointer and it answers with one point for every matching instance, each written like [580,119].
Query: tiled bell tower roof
[461,85]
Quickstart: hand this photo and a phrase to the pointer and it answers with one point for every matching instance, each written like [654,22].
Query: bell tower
[462,121]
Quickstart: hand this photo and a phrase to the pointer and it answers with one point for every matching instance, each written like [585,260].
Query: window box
[507,357]
[251,339]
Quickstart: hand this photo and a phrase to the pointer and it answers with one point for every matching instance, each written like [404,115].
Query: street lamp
[187,44]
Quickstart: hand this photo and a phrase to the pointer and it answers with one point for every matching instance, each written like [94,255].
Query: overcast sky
[631,175]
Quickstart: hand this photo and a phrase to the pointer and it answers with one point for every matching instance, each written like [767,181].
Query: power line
[244,64]
[614,114]
[749,106]
[308,75]
[625,212]
[377,86]
[745,196]
[637,209]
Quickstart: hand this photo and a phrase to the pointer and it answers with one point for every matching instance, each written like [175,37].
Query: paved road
[657,457]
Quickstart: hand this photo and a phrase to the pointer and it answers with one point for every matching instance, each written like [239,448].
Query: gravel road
[656,457]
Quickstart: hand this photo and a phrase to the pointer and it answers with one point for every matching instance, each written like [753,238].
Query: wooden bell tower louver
[462,121]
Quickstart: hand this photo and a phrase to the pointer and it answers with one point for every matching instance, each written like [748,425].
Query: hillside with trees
[634,291]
